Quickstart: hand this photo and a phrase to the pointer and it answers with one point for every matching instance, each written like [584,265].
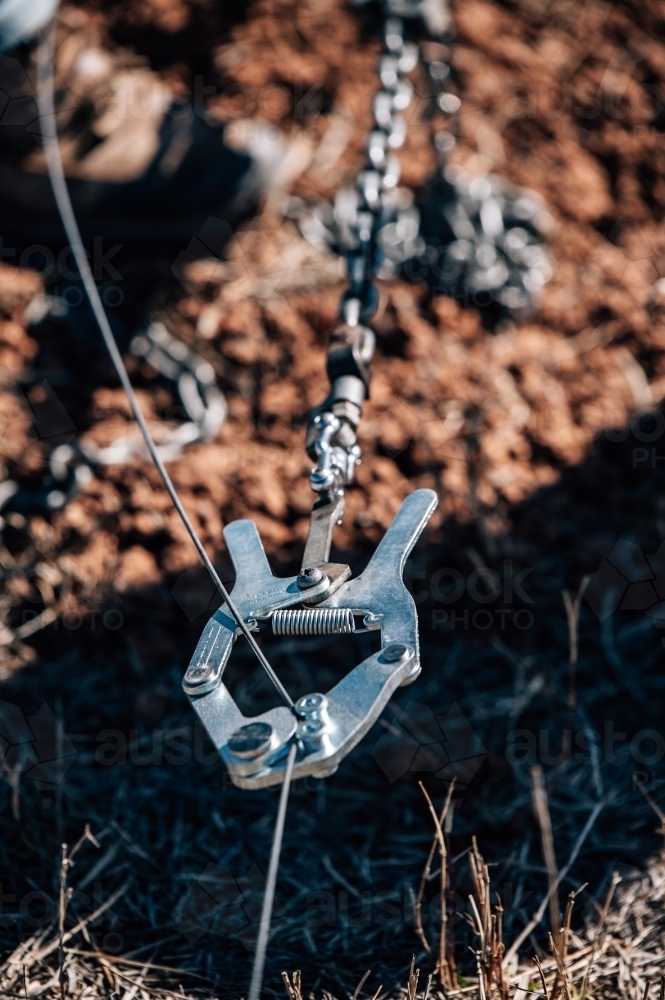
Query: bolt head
[309,577]
[311,703]
[312,727]
[394,652]
[250,741]
[198,674]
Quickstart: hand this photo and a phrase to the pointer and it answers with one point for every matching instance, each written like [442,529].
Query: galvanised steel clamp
[321,600]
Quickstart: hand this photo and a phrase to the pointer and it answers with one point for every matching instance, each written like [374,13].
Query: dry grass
[618,954]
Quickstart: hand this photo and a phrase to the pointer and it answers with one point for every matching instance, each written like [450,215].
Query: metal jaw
[325,727]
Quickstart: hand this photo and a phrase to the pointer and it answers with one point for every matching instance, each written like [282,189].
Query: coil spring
[317,621]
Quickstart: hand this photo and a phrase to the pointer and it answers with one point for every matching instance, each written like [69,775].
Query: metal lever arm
[380,588]
[256,593]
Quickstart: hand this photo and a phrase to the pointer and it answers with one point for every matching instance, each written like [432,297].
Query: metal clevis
[321,600]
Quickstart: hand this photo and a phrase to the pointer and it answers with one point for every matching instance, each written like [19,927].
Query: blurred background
[205,146]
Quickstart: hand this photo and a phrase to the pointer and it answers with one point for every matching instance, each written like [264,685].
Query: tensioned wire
[46,106]
[269,894]
[47,120]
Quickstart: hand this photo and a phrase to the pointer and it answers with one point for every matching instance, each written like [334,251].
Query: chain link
[366,218]
[479,239]
[374,205]
[72,466]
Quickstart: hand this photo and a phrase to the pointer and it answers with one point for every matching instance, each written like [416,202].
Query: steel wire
[269,894]
[47,121]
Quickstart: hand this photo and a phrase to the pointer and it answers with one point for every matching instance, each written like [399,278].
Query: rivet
[309,577]
[198,674]
[394,652]
[251,740]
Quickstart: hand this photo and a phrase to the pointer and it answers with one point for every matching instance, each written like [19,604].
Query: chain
[365,213]
[367,216]
[71,466]
[478,239]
